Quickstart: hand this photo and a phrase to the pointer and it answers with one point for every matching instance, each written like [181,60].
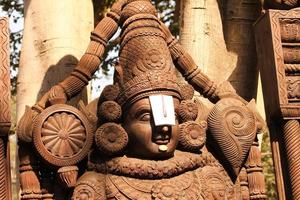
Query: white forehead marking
[163,111]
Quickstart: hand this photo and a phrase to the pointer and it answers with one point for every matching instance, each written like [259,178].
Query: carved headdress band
[153,82]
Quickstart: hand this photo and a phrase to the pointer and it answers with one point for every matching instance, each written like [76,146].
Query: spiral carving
[192,135]
[111,138]
[239,121]
[292,140]
[62,135]
[233,128]
[110,111]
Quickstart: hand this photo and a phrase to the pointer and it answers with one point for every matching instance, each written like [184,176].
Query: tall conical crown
[145,66]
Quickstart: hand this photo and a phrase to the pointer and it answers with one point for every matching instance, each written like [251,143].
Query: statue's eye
[145,117]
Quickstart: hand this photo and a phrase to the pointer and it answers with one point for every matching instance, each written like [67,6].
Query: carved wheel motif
[62,135]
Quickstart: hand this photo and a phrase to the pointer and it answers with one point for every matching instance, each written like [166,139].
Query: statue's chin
[154,151]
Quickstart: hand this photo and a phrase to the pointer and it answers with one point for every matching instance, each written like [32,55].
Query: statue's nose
[165,129]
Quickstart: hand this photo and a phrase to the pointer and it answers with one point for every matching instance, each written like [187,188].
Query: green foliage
[268,167]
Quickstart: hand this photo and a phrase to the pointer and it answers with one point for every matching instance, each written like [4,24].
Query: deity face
[145,139]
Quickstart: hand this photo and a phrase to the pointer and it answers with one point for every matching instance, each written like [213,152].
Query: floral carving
[293,88]
[154,59]
[188,110]
[165,191]
[63,135]
[132,167]
[192,135]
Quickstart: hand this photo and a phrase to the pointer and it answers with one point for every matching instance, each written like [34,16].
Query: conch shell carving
[232,128]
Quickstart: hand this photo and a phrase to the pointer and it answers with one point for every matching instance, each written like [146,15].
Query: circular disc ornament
[192,135]
[110,111]
[62,135]
[111,138]
[188,110]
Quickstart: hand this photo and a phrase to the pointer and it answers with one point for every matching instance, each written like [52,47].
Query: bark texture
[219,36]
[55,37]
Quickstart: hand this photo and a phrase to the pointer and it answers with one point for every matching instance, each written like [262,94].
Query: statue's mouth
[162,139]
[161,142]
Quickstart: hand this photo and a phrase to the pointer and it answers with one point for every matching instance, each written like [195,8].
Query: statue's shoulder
[90,185]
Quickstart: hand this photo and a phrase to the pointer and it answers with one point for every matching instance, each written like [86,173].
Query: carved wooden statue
[277,39]
[5,113]
[145,137]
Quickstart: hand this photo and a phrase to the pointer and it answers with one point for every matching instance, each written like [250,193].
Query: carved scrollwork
[62,135]
[5,114]
[293,88]
[233,127]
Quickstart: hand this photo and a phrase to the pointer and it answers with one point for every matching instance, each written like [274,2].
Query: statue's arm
[91,60]
[91,185]
[188,68]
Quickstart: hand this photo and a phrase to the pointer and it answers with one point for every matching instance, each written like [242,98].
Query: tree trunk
[55,37]
[220,38]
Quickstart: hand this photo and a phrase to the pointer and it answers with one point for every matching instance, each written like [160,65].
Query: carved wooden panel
[5,114]
[278,39]
[5,121]
[278,47]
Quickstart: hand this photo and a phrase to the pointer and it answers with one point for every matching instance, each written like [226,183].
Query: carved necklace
[182,187]
[151,169]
